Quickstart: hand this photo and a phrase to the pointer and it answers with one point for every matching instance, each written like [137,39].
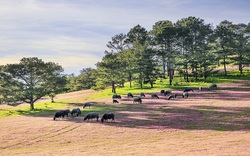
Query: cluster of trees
[189,46]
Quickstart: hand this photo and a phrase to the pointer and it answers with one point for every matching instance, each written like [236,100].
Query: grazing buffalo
[167,92]
[76,111]
[92,116]
[87,104]
[107,116]
[142,95]
[66,112]
[116,96]
[188,89]
[59,114]
[172,96]
[213,86]
[115,101]
[130,95]
[137,100]
[153,96]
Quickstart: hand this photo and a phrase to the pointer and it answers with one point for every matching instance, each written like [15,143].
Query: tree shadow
[162,116]
[176,114]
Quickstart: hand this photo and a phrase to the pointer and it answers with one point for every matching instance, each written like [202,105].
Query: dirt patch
[206,123]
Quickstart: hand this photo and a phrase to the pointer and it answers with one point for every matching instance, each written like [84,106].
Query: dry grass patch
[207,123]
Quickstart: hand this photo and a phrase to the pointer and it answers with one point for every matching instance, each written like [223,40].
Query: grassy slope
[208,127]
[76,99]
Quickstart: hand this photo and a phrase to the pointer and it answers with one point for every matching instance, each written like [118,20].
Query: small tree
[31,78]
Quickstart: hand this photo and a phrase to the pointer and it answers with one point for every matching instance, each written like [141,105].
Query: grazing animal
[107,116]
[65,112]
[167,92]
[142,95]
[76,111]
[185,95]
[92,116]
[115,101]
[116,96]
[87,104]
[59,114]
[153,96]
[172,96]
[213,86]
[130,95]
[137,100]
[188,89]
[162,91]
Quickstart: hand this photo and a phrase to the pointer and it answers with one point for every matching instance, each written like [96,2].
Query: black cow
[107,116]
[142,95]
[213,86]
[115,101]
[76,111]
[130,95]
[153,96]
[167,92]
[66,112]
[59,114]
[188,89]
[116,96]
[137,100]
[87,104]
[172,96]
[92,116]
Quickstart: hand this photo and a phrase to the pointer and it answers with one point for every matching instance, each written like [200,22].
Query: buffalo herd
[116,98]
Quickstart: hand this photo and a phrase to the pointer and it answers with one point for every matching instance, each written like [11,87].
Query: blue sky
[74,33]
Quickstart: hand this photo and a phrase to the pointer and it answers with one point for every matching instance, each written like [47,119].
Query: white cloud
[75,33]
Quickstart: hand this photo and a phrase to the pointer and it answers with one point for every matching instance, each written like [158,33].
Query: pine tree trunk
[113,88]
[196,73]
[224,62]
[130,80]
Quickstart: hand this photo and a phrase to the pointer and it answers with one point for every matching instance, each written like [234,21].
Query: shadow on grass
[147,116]
[157,115]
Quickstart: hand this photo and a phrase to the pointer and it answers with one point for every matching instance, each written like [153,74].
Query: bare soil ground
[207,123]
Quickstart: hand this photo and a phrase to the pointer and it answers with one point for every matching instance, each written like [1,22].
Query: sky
[74,33]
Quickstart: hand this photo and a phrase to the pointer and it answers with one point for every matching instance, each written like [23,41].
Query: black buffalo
[172,96]
[130,95]
[87,104]
[58,115]
[142,95]
[107,116]
[153,96]
[167,92]
[76,111]
[116,96]
[115,101]
[188,89]
[92,116]
[137,100]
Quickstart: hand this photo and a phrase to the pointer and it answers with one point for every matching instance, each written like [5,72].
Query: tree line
[189,46]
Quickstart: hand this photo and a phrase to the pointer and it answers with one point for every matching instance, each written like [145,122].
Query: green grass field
[207,123]
[48,108]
